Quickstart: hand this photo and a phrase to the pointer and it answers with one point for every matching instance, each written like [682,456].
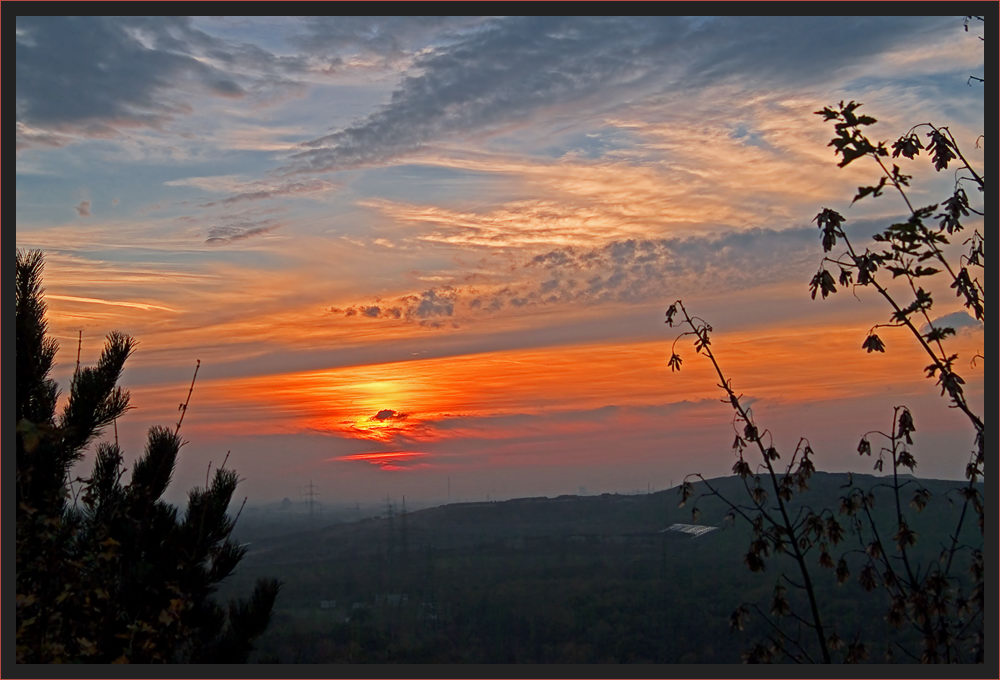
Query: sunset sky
[428,255]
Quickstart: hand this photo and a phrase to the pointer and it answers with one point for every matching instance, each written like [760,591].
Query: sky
[430,256]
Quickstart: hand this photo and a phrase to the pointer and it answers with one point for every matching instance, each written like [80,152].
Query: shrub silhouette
[116,575]
[936,602]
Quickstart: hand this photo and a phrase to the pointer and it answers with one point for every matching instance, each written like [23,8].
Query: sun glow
[423,401]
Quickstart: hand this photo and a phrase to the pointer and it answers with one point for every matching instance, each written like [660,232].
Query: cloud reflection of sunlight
[386,460]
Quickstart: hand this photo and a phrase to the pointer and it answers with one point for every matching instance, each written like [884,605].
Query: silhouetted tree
[115,575]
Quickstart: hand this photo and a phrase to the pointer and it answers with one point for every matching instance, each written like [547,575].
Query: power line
[311,495]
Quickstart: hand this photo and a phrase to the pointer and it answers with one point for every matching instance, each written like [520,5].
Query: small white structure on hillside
[695,530]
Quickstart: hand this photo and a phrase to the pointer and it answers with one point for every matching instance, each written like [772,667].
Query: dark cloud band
[621,272]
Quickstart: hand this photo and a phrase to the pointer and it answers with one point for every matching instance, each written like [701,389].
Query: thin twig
[184,406]
[243,505]
[701,332]
[79,344]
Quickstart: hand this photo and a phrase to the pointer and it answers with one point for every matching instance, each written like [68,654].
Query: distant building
[695,530]
[327,604]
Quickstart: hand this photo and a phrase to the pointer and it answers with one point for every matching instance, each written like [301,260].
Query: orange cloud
[474,395]
[113,303]
[386,460]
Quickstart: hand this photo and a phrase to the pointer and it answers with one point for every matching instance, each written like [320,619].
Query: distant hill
[541,579]
[477,523]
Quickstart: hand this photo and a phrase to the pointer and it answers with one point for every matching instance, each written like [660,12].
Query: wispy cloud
[261,190]
[959,320]
[387,460]
[377,42]
[627,271]
[426,307]
[114,303]
[509,68]
[96,76]
[230,233]
[128,65]
[512,68]
[212,183]
[28,137]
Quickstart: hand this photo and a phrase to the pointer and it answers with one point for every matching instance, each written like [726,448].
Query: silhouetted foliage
[933,606]
[115,575]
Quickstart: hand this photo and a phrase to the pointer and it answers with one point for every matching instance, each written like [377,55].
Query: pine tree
[116,575]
